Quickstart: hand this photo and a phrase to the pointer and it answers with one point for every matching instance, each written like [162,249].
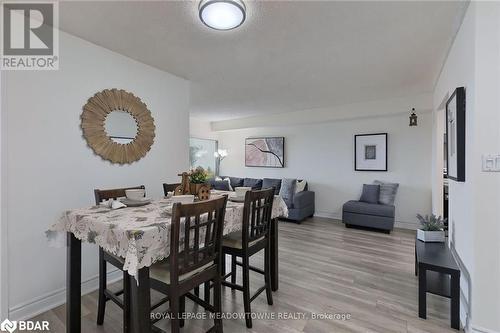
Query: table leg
[140,304]
[73,284]
[422,292]
[455,301]
[274,255]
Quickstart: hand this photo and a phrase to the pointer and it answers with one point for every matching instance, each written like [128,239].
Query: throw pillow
[255,184]
[270,182]
[301,185]
[370,193]
[221,185]
[287,190]
[236,182]
[229,183]
[388,192]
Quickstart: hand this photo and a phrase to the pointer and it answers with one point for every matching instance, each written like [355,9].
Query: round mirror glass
[121,126]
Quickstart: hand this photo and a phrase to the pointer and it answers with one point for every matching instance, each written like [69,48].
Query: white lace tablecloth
[141,235]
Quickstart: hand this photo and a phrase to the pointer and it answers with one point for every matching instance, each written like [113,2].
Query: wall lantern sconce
[413,118]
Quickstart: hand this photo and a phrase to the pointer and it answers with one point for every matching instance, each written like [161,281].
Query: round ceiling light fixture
[222,14]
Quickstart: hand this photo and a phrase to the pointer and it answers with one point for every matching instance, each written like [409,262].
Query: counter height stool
[118,262]
[196,261]
[254,237]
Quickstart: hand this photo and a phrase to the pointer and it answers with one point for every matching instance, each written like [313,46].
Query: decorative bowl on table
[183,199]
[241,191]
[135,202]
[135,194]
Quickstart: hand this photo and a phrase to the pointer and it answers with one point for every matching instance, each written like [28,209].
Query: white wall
[201,129]
[50,167]
[323,155]
[474,62]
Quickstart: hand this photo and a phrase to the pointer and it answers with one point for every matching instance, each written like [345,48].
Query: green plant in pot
[431,229]
[197,178]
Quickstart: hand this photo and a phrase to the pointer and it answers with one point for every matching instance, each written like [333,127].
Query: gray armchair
[302,207]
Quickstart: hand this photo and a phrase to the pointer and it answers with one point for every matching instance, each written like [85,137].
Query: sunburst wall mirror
[118,126]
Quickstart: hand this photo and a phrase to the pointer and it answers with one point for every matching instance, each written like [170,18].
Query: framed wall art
[370,152]
[455,135]
[266,152]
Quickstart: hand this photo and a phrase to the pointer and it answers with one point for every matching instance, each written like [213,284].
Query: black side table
[439,274]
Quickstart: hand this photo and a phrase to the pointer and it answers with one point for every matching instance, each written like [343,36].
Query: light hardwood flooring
[324,268]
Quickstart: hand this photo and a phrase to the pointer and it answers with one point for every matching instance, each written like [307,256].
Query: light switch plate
[491,163]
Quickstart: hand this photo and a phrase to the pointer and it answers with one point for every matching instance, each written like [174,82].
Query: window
[201,153]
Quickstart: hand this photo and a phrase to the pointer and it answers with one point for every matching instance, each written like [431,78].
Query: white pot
[430,236]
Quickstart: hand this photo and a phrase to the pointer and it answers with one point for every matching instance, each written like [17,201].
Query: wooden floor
[324,269]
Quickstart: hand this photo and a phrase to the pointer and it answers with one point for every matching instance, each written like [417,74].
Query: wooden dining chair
[195,261]
[169,187]
[254,237]
[105,257]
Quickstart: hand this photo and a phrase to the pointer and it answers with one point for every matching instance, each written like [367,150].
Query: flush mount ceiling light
[222,14]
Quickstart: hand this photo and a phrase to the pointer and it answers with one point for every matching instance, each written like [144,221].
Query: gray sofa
[299,208]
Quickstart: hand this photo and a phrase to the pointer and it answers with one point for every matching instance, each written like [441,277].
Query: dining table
[141,236]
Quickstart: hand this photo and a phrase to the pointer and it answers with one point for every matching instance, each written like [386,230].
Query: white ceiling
[288,55]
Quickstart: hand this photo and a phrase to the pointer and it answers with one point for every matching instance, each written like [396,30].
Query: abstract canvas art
[370,152]
[265,152]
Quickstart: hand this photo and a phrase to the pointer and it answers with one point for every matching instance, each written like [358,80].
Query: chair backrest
[200,225]
[169,187]
[257,214]
[115,193]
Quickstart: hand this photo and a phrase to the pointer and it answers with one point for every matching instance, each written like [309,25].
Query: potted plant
[197,178]
[432,228]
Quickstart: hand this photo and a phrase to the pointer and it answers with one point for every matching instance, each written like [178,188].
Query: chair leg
[246,290]
[197,291]
[101,308]
[182,310]
[233,269]
[126,302]
[206,290]
[174,311]
[218,304]
[267,273]
[223,264]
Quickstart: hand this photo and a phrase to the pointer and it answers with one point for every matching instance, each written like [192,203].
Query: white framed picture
[370,152]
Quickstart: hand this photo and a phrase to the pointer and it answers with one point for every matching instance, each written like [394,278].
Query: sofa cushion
[287,190]
[221,185]
[388,192]
[370,193]
[271,182]
[255,184]
[235,181]
[365,208]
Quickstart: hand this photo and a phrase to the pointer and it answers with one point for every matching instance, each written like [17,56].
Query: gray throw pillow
[287,190]
[370,193]
[271,182]
[387,192]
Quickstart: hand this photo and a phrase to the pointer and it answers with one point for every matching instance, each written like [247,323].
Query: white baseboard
[476,329]
[397,224]
[43,303]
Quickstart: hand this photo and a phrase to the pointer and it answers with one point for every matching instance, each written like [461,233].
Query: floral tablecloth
[141,235]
